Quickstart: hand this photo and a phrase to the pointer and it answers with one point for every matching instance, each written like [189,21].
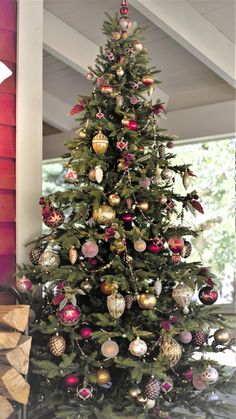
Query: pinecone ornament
[129,299]
[73,255]
[162,151]
[34,255]
[57,345]
[152,389]
[199,338]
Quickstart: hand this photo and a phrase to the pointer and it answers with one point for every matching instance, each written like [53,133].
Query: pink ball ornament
[86,332]
[154,248]
[92,261]
[145,182]
[170,144]
[69,315]
[185,337]
[132,125]
[198,383]
[71,380]
[23,284]
[90,249]
[188,374]
[127,218]
[124,10]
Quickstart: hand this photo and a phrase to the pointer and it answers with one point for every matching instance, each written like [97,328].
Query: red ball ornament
[124,10]
[127,218]
[176,244]
[69,315]
[23,284]
[170,144]
[54,218]
[71,380]
[154,248]
[86,332]
[207,295]
[132,125]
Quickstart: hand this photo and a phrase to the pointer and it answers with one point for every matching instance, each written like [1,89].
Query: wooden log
[6,408]
[9,340]
[19,356]
[13,385]
[14,316]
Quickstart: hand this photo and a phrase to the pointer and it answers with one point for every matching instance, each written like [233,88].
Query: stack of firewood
[14,357]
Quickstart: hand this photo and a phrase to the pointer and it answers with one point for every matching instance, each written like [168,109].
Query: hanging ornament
[150,404]
[34,255]
[154,248]
[142,399]
[138,46]
[109,55]
[81,133]
[167,174]
[124,10]
[116,305]
[134,392]
[73,254]
[86,332]
[170,144]
[85,393]
[114,199]
[127,218]
[106,89]
[140,245]
[122,144]
[166,386]
[185,337]
[89,75]
[171,350]
[132,125]
[198,383]
[134,100]
[100,115]
[71,176]
[125,121]
[187,250]
[183,295]
[129,299]
[158,287]
[145,182]
[23,284]
[152,389]
[54,218]
[207,295]
[147,301]
[176,244]
[199,338]
[69,315]
[221,336]
[104,215]
[100,143]
[129,203]
[102,376]
[120,72]
[116,36]
[110,349]
[107,288]
[49,260]
[130,51]
[188,374]
[210,375]
[186,179]
[90,249]
[98,174]
[119,245]
[57,345]
[138,347]
[71,380]
[143,206]
[86,286]
[176,259]
[119,100]
[162,151]
[148,80]
[92,175]
[124,22]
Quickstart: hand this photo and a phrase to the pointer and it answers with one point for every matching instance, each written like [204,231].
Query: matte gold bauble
[221,336]
[124,35]
[120,72]
[104,215]
[125,121]
[116,305]
[57,345]
[143,206]
[116,36]
[92,175]
[118,245]
[110,349]
[147,301]
[102,376]
[100,143]
[114,199]
[82,133]
[171,350]
[142,399]
[134,392]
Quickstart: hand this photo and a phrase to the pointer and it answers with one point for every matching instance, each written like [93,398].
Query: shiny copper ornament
[114,199]
[104,215]
[116,305]
[107,288]
[92,175]
[57,345]
[147,301]
[102,376]
[100,143]
[171,350]
[73,254]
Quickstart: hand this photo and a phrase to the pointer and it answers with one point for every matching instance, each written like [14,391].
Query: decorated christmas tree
[117,331]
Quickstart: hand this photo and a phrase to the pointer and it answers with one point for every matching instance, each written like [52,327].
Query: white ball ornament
[210,375]
[90,249]
[110,349]
[138,347]
[150,403]
[140,245]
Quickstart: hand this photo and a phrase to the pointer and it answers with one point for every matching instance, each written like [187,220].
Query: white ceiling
[185,79]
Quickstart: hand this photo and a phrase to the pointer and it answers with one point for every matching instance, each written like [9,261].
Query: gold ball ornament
[110,349]
[107,288]
[116,36]
[221,336]
[147,301]
[92,175]
[143,206]
[86,286]
[140,245]
[100,143]
[104,215]
[81,133]
[57,345]
[171,350]
[116,305]
[114,199]
[125,121]
[138,347]
[102,376]
[142,399]
[120,72]
[124,35]
[183,295]
[134,392]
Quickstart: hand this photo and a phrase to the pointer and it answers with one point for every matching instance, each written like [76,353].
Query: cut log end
[6,408]
[13,385]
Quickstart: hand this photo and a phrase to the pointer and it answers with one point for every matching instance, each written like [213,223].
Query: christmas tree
[116,326]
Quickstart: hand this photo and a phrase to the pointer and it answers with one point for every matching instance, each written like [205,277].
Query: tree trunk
[13,385]
[15,316]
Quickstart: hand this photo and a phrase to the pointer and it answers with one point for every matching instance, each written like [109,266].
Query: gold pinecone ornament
[171,350]
[100,143]
[57,345]
[73,254]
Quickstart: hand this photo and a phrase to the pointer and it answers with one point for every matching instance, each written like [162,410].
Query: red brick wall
[7,144]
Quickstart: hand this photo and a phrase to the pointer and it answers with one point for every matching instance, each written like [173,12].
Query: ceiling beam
[55,113]
[191,30]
